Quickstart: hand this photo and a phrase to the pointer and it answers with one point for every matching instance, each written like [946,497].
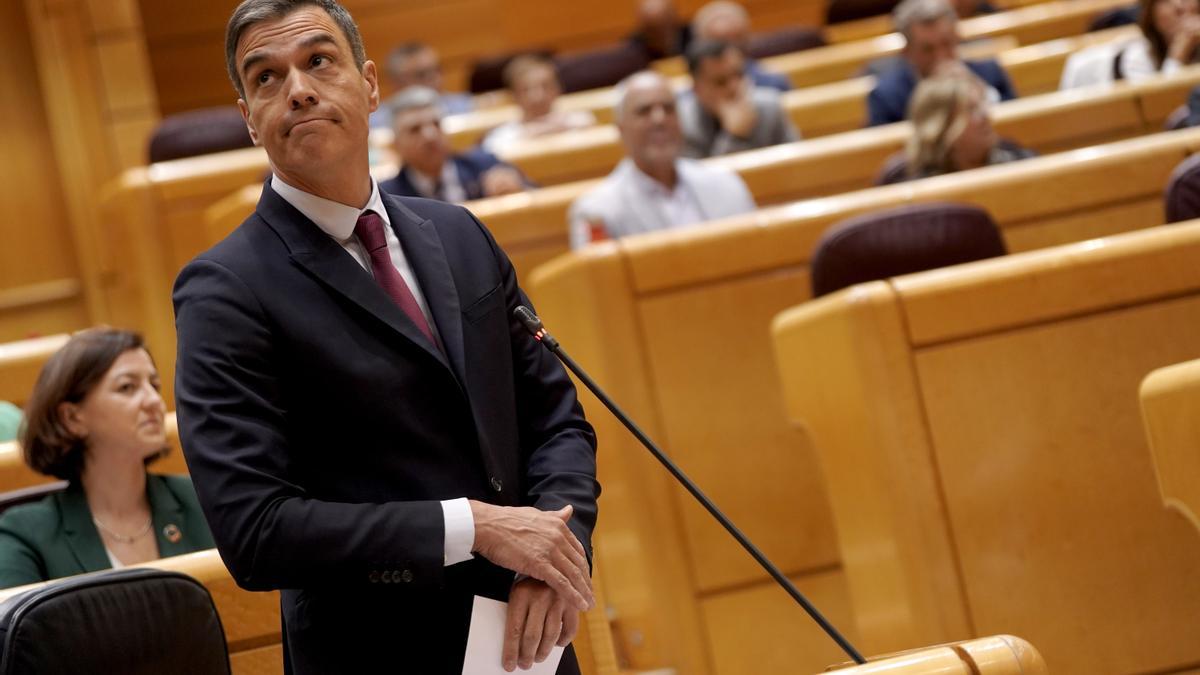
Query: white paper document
[485,643]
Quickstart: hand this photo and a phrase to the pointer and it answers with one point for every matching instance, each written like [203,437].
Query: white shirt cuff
[460,530]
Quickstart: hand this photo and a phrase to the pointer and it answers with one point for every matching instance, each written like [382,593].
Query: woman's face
[124,412]
[1168,14]
[535,91]
[973,145]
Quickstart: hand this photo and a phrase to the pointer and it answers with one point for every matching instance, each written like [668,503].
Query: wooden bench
[1170,399]
[823,65]
[996,655]
[674,325]
[979,434]
[20,363]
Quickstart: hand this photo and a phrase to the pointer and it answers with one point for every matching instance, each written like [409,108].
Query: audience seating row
[823,65]
[1170,398]
[656,319]
[978,430]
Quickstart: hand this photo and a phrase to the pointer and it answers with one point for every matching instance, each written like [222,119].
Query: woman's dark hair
[47,445]
[1158,42]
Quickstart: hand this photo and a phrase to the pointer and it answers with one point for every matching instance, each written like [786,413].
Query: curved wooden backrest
[14,474]
[995,655]
[674,325]
[20,363]
[1170,399]
[981,446]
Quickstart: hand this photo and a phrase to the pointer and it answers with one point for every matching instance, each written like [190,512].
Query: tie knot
[369,230]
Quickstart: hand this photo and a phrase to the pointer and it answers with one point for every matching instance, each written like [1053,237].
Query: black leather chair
[1183,191]
[901,241]
[487,74]
[599,67]
[849,10]
[199,132]
[784,41]
[134,621]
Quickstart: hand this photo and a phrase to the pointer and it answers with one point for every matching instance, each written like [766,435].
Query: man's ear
[71,417]
[249,124]
[371,77]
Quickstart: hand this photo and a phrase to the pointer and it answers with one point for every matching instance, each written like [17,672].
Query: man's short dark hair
[702,50]
[251,12]
[403,52]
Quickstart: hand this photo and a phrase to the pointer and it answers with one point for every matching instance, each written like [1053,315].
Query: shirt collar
[334,218]
[649,185]
[428,187]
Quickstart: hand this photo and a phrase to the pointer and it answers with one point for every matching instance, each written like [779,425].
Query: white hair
[715,9]
[623,86]
[911,12]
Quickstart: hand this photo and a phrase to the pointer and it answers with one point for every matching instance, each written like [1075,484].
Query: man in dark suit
[930,30]
[429,168]
[368,429]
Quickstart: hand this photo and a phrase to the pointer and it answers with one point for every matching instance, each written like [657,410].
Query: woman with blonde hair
[951,128]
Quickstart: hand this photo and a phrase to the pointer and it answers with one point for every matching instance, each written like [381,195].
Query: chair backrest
[199,132]
[1170,397]
[784,41]
[903,240]
[1183,191]
[599,67]
[29,494]
[487,74]
[132,621]
[848,10]
[1120,16]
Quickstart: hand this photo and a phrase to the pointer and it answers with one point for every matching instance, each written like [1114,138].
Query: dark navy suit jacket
[471,165]
[888,101]
[322,429]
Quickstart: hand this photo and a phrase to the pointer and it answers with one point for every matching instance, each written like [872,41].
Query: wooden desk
[674,325]
[996,655]
[1170,399]
[979,436]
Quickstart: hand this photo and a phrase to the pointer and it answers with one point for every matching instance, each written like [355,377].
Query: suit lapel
[326,260]
[167,513]
[423,249]
[82,537]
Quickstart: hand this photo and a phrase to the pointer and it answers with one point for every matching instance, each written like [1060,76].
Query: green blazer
[56,537]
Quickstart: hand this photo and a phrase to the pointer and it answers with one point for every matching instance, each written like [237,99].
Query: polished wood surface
[1170,399]
[996,655]
[20,363]
[982,448]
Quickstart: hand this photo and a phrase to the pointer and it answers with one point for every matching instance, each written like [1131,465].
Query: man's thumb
[565,513]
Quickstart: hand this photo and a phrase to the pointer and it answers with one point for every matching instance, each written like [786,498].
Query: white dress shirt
[679,204]
[338,220]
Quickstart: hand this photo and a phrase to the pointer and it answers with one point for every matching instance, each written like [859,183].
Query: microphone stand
[534,325]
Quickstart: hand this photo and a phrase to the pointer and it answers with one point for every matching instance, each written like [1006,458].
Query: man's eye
[264,77]
[318,60]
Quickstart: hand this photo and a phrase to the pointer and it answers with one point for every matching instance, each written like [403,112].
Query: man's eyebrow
[255,57]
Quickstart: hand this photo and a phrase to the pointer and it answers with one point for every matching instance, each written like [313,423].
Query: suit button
[373,577]
[406,576]
[497,485]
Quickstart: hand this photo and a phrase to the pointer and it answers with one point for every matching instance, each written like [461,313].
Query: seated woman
[96,419]
[951,130]
[1169,41]
[534,86]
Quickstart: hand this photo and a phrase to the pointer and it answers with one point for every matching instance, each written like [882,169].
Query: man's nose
[301,92]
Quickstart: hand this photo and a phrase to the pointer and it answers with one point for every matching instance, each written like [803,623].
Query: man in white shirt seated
[654,187]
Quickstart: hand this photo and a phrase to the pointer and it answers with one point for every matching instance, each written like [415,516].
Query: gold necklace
[120,538]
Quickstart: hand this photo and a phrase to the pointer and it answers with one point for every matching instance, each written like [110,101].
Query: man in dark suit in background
[428,166]
[368,429]
[930,29]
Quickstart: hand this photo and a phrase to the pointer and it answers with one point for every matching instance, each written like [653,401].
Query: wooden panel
[112,16]
[262,661]
[1049,488]
[760,629]
[748,458]
[20,363]
[1170,398]
[126,74]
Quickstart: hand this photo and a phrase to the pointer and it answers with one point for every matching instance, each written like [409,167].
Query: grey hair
[412,98]
[911,12]
[714,9]
[622,89]
[251,12]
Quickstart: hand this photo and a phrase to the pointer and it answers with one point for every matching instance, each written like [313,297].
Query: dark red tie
[369,230]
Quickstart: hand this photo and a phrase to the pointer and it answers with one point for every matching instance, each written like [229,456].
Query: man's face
[535,91]
[719,79]
[420,141]
[420,69]
[931,44]
[305,101]
[649,126]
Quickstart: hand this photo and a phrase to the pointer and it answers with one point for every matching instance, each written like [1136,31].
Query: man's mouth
[302,123]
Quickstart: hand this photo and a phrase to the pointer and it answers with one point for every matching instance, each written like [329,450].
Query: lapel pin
[172,533]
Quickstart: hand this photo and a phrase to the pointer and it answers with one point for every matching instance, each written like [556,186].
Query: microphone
[534,325]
